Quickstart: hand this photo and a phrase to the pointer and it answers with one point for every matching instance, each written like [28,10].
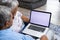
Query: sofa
[31,4]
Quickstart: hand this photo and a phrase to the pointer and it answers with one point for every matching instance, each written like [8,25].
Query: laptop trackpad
[39,29]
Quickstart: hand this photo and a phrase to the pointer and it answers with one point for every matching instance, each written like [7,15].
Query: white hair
[9,3]
[5,11]
[5,15]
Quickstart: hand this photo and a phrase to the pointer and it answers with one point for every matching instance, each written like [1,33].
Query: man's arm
[25,19]
[44,38]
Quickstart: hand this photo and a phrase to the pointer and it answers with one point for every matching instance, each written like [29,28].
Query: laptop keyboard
[39,29]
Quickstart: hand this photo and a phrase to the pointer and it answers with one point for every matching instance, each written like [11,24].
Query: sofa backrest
[30,0]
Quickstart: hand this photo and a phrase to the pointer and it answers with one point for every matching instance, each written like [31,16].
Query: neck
[5,27]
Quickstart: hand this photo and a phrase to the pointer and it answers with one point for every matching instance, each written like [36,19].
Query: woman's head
[13,4]
[14,7]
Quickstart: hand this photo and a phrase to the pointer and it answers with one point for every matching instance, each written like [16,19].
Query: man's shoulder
[17,34]
[10,35]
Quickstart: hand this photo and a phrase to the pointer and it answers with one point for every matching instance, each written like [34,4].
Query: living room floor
[52,6]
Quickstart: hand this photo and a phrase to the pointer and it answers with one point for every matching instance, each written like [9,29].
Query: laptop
[39,23]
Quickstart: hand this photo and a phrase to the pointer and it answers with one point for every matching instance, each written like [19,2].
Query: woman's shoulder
[18,13]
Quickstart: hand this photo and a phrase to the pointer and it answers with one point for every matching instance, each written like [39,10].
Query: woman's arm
[25,19]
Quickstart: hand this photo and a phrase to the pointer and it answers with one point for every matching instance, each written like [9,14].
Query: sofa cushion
[32,5]
[30,0]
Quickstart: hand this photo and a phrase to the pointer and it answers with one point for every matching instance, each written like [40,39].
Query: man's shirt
[8,34]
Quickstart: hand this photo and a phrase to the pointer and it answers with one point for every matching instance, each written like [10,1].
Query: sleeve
[50,35]
[28,38]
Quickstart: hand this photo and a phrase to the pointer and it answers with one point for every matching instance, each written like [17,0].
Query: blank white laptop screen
[40,18]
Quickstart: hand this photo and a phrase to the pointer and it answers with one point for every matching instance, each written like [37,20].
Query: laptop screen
[40,18]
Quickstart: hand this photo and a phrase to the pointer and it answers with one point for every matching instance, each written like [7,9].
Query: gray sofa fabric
[30,0]
[32,5]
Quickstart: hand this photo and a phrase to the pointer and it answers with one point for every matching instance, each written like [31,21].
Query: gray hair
[9,3]
[5,13]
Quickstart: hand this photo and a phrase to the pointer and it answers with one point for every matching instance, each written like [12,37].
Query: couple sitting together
[11,22]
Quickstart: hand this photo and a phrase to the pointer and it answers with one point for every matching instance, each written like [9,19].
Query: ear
[7,23]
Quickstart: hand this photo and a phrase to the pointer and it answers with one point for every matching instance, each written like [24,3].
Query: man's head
[5,18]
[13,4]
